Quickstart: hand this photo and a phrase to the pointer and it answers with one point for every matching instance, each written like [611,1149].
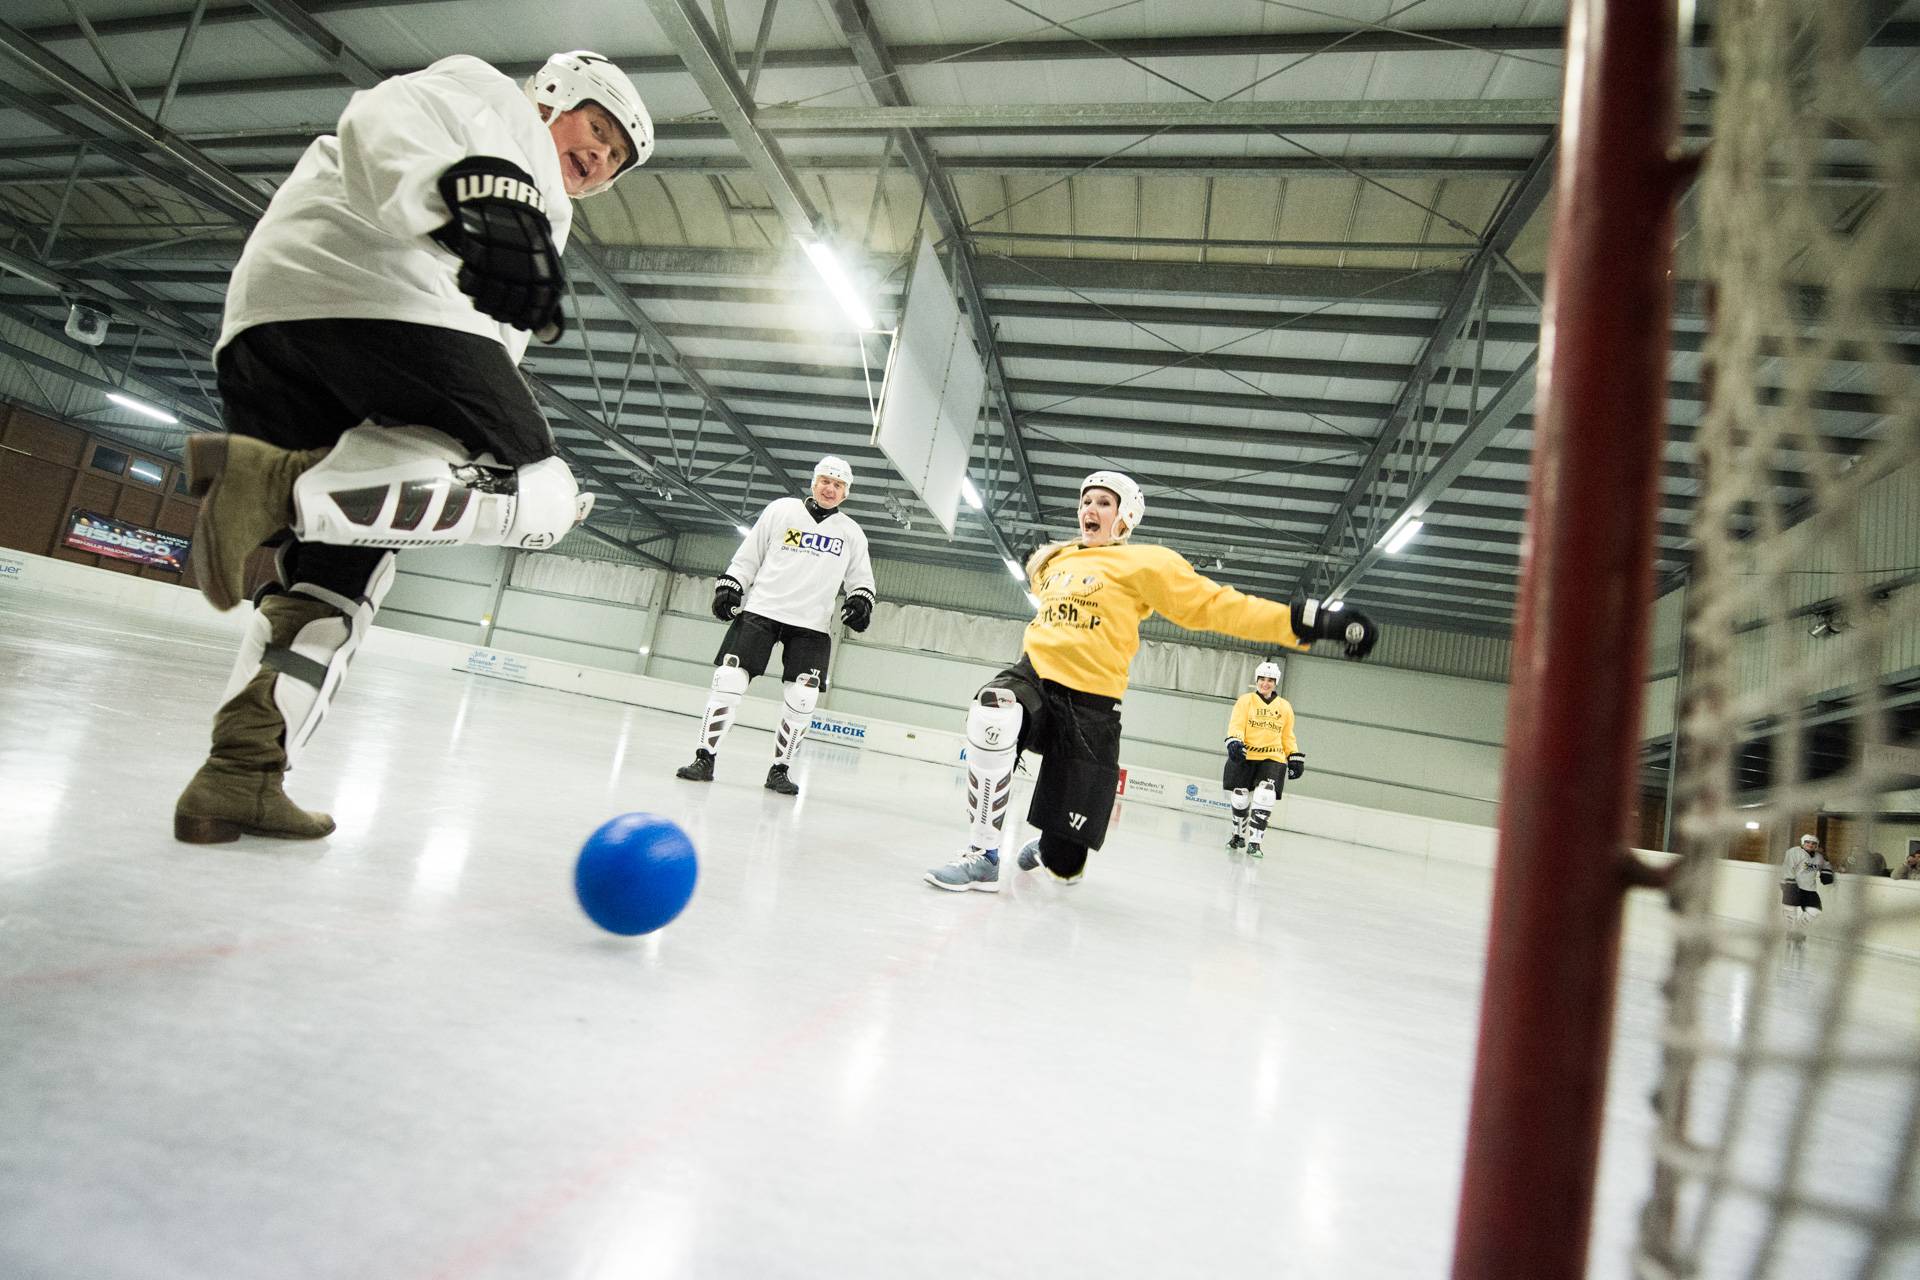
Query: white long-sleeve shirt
[791,566]
[1803,868]
[345,237]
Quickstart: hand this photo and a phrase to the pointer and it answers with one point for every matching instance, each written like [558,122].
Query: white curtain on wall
[1221,673]
[944,631]
[588,579]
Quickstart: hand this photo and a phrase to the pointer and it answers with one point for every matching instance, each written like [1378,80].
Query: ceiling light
[743,531]
[1400,537]
[1753,826]
[1335,606]
[1019,574]
[1033,599]
[140,406]
[971,494]
[838,283]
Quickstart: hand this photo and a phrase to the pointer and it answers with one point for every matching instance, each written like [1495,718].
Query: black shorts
[1792,895]
[1077,737]
[750,639]
[1251,773]
[301,383]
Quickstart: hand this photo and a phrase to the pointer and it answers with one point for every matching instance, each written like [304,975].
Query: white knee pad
[414,486]
[312,666]
[1239,799]
[1263,798]
[993,732]
[728,686]
[993,737]
[800,696]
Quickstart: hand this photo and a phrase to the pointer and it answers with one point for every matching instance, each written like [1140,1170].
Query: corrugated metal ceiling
[1276,326]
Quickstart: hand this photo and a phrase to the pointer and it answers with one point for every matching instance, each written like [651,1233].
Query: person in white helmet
[1062,698]
[779,589]
[1803,871]
[366,365]
[1262,753]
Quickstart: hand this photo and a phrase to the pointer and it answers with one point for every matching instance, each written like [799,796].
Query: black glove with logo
[726,599]
[500,233]
[857,611]
[1296,765]
[1236,751]
[1352,628]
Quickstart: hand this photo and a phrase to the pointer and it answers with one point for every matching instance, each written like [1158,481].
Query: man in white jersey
[780,587]
[367,375]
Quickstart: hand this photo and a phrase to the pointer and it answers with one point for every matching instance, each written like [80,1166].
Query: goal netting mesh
[1802,668]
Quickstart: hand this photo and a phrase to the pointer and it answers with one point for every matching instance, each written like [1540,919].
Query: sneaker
[777,780]
[701,770]
[971,870]
[1030,861]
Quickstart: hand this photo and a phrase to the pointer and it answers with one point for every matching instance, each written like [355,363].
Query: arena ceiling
[1282,263]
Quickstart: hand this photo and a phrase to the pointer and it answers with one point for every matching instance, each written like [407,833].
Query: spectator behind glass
[1910,869]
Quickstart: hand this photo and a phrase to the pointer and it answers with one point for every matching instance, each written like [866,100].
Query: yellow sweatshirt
[1265,726]
[1093,600]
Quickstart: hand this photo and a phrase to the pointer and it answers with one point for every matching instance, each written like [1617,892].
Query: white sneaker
[971,870]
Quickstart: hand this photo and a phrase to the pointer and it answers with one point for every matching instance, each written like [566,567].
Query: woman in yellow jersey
[1262,754]
[1062,698]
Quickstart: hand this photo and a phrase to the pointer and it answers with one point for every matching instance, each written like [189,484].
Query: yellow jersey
[1093,600]
[1265,725]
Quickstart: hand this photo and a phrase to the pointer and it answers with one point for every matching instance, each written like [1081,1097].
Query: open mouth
[579,167]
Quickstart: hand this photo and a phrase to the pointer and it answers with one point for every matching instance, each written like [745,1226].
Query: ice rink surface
[404,1052]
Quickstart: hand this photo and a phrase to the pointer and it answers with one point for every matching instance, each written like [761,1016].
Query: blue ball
[635,873]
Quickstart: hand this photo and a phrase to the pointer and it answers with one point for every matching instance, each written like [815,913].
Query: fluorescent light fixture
[1033,599]
[971,494]
[1019,574]
[1335,606]
[1402,536]
[838,283]
[1753,826]
[743,531]
[140,406]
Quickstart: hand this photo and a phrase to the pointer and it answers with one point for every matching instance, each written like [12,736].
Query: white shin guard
[312,666]
[728,686]
[993,735]
[415,486]
[800,697]
[1260,809]
[1239,799]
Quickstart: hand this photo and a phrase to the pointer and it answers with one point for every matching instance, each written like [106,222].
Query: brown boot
[245,487]
[238,790]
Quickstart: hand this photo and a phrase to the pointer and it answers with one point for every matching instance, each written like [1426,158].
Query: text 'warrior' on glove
[500,233]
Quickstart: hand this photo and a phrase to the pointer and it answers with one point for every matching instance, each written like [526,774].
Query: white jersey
[1803,869]
[346,235]
[792,566]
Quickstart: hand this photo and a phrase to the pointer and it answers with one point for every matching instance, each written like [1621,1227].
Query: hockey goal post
[1802,645]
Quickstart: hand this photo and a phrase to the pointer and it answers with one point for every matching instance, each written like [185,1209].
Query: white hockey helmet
[834,468]
[569,79]
[1268,670]
[1133,503]
[1809,838]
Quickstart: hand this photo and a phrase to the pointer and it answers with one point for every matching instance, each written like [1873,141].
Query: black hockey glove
[726,599]
[1236,751]
[1296,765]
[500,233]
[857,611]
[1352,628]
